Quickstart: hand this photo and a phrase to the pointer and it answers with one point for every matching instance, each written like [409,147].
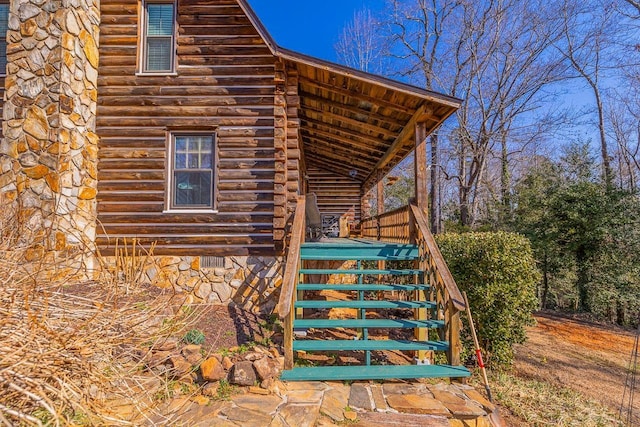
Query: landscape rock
[180,366]
[227,363]
[211,389]
[242,373]
[253,356]
[167,344]
[192,353]
[212,370]
[266,368]
[158,358]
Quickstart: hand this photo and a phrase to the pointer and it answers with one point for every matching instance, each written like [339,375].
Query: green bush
[499,275]
[194,336]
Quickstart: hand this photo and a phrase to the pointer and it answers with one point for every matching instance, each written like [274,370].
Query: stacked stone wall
[251,282]
[48,157]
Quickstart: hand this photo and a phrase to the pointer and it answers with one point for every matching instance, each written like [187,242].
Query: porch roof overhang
[351,120]
[355,121]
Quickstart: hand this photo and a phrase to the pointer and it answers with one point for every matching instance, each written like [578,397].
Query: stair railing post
[290,280]
[452,326]
[420,334]
[288,341]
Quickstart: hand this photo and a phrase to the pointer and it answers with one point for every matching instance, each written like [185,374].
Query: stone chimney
[48,157]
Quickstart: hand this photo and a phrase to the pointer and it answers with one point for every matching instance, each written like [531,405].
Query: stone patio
[308,404]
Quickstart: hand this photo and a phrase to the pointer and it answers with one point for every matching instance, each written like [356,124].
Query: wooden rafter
[346,133]
[355,94]
[338,148]
[355,110]
[347,120]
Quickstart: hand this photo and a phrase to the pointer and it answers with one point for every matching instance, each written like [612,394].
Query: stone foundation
[250,282]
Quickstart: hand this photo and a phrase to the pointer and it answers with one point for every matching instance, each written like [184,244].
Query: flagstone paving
[324,404]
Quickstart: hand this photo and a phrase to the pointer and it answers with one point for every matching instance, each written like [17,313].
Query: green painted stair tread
[360,287]
[353,252]
[357,243]
[397,272]
[347,256]
[365,323]
[359,345]
[374,372]
[373,304]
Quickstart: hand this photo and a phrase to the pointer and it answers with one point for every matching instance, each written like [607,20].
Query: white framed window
[191,172]
[4,19]
[158,37]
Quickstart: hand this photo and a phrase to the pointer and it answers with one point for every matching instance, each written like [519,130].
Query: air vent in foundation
[212,262]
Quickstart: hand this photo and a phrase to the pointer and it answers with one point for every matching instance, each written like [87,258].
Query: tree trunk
[545,283]
[583,281]
[505,179]
[606,162]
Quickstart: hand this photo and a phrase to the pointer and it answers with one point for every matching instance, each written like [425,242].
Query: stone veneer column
[48,158]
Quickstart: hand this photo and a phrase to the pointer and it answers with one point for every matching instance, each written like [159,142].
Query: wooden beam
[341,147]
[334,136]
[305,109]
[380,193]
[356,94]
[344,107]
[339,167]
[326,127]
[420,166]
[400,140]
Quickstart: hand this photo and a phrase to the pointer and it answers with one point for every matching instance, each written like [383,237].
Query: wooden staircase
[379,272]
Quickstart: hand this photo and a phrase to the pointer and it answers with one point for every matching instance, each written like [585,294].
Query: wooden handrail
[441,266]
[289,279]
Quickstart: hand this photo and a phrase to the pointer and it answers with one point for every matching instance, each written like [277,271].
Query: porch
[350,129]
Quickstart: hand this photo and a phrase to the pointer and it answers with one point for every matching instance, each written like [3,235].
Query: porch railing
[393,226]
[409,224]
[290,280]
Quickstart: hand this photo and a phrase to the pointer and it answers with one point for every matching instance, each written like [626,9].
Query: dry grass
[69,348]
[539,403]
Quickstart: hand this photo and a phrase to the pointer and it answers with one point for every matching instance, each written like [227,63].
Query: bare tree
[586,43]
[360,45]
[497,56]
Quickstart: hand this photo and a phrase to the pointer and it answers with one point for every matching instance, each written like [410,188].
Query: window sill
[189,211]
[148,74]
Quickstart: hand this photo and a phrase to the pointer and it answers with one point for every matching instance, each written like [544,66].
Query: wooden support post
[288,341]
[452,324]
[380,210]
[420,168]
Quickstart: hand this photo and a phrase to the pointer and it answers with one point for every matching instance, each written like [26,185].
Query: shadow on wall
[260,288]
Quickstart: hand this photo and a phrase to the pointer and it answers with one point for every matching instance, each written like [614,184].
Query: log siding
[225,80]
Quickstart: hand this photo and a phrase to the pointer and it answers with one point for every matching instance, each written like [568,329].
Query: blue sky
[307,26]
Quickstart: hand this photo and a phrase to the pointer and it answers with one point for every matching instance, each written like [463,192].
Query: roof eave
[428,95]
[291,55]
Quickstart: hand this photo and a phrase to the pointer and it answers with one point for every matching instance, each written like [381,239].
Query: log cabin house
[183,125]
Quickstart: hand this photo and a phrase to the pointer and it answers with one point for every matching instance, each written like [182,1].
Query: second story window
[158,37]
[4,18]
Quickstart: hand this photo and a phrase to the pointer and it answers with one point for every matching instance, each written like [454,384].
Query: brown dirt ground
[584,356]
